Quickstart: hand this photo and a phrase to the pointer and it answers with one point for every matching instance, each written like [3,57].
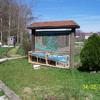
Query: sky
[85,12]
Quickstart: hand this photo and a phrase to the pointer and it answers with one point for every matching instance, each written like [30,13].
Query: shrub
[90,54]
[26,43]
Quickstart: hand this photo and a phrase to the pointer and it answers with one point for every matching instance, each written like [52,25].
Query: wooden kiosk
[57,28]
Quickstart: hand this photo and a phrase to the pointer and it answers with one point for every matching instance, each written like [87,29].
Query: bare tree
[15,17]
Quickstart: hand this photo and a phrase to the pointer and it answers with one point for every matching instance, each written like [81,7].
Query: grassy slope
[3,51]
[13,51]
[16,51]
[18,74]
[21,51]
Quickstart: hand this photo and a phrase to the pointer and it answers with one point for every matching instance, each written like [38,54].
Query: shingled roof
[54,24]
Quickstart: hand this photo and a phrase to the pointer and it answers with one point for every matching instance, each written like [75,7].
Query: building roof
[54,24]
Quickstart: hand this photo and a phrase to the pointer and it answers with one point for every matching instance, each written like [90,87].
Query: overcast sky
[85,12]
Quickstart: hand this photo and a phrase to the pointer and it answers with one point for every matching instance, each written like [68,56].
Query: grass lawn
[61,83]
[4,51]
[1,93]
[16,51]
[11,51]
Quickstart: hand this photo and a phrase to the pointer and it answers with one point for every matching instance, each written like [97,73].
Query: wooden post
[71,41]
[33,40]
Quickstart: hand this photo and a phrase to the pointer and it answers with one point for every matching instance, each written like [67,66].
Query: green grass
[4,51]
[1,93]
[16,51]
[13,51]
[21,51]
[77,59]
[36,84]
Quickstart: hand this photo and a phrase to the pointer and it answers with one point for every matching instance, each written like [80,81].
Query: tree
[90,54]
[15,17]
[26,43]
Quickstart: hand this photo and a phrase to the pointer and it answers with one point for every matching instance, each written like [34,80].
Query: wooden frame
[43,61]
[50,62]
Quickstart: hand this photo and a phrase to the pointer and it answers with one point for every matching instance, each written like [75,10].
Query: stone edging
[8,92]
[11,58]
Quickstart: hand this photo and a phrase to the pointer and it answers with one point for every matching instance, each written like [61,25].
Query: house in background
[11,41]
[87,35]
[80,36]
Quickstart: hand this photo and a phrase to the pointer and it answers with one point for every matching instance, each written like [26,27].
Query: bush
[90,54]
[26,43]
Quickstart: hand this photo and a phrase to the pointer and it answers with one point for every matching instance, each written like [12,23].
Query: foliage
[1,93]
[61,83]
[4,51]
[90,54]
[26,43]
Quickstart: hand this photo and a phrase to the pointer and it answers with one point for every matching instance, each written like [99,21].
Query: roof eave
[53,27]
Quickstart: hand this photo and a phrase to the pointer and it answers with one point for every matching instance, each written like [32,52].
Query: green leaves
[90,54]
